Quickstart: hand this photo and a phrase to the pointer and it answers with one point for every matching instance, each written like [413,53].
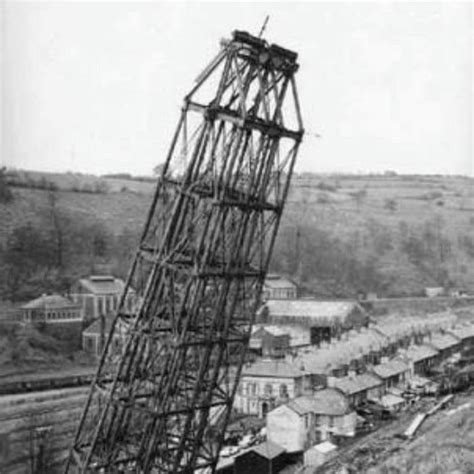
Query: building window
[268,390]
[283,391]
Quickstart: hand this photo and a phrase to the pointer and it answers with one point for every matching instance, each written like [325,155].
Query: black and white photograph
[236,237]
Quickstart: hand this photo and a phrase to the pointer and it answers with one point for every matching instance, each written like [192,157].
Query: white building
[266,384]
[308,420]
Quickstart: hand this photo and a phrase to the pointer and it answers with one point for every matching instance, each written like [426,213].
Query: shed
[263,458]
[319,454]
[392,402]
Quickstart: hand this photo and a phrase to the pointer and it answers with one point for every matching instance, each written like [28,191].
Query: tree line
[50,254]
[372,258]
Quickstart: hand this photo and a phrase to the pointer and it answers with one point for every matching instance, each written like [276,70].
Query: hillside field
[340,234]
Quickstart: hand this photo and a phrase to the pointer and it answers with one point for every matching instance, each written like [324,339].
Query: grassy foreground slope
[448,448]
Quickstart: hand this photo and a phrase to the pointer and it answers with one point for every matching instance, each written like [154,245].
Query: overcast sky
[97,87]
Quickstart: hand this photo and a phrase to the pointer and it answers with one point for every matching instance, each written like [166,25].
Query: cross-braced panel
[166,381]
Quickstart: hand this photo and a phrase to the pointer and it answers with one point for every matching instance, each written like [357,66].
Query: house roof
[417,353]
[390,400]
[50,302]
[352,346]
[102,284]
[272,368]
[332,311]
[273,281]
[325,447]
[327,401]
[357,383]
[443,341]
[390,368]
[268,449]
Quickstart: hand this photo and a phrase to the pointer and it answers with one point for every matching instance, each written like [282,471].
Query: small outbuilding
[319,454]
[267,457]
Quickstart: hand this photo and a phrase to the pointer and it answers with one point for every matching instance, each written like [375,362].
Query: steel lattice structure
[165,384]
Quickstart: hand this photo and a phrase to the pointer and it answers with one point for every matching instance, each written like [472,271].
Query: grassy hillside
[339,234]
[415,230]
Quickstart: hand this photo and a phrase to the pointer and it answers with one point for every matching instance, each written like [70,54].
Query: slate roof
[102,284]
[390,368]
[327,401]
[268,449]
[352,346]
[443,341]
[48,302]
[351,385]
[272,368]
[417,353]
